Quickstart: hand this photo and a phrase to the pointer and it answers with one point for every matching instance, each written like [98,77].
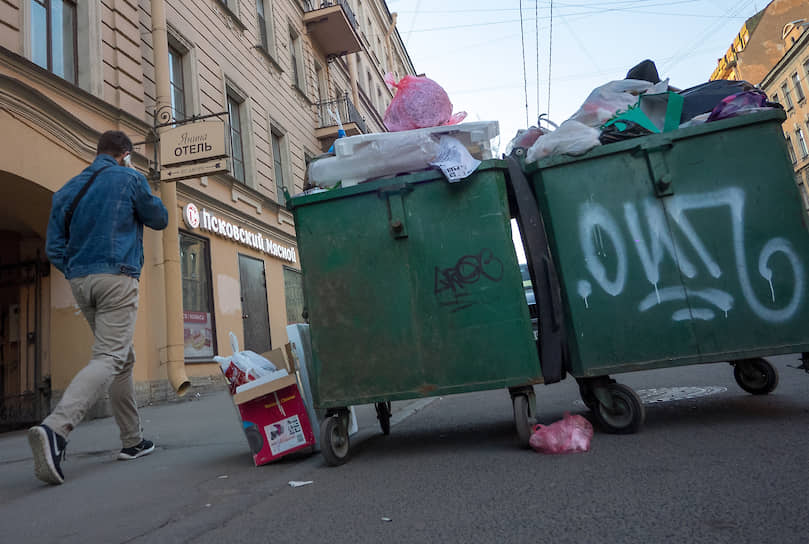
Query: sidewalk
[201,458]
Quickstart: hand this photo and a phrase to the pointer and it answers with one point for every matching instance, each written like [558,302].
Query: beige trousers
[109,302]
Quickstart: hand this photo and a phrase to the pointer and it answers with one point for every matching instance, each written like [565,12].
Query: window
[787,96]
[775,98]
[370,87]
[293,291]
[296,54]
[236,136]
[53,37]
[177,81]
[791,150]
[265,26]
[279,161]
[796,82]
[198,316]
[802,143]
[322,84]
[380,102]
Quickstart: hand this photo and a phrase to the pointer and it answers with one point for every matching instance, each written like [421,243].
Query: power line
[536,31]
[550,60]
[524,71]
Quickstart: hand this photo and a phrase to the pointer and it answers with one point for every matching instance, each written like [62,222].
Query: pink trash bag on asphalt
[419,102]
[569,435]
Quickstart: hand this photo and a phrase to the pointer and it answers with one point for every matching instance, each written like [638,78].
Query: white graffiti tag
[657,244]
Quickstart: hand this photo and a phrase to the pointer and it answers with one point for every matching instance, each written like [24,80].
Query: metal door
[255,313]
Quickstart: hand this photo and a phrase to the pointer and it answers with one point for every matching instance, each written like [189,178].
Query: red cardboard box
[272,430]
[273,414]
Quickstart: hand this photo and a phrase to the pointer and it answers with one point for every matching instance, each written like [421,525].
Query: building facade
[788,83]
[759,44]
[277,72]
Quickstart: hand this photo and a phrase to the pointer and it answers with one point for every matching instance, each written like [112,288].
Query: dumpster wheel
[756,376]
[625,416]
[334,442]
[523,416]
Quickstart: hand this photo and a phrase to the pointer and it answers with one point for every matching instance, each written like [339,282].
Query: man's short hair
[114,142]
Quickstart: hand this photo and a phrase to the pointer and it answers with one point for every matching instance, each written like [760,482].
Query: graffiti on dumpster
[451,283]
[596,224]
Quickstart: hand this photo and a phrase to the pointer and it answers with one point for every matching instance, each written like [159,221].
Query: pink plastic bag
[419,102]
[569,435]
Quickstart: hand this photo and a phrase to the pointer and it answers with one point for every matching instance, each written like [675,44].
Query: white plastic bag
[572,138]
[605,101]
[244,366]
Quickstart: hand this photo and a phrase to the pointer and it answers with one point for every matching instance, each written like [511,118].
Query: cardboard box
[273,414]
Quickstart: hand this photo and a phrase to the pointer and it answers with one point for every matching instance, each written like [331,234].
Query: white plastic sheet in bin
[298,335]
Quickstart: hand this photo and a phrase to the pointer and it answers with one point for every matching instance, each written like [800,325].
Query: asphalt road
[726,467]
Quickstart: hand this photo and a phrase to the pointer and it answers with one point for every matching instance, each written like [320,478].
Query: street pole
[175,344]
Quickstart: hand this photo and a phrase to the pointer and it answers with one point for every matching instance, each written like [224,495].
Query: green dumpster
[678,248]
[413,289]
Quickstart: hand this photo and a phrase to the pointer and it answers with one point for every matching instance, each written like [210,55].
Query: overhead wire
[536,32]
[550,60]
[524,71]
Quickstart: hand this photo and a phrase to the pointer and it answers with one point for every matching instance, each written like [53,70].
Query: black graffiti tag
[451,283]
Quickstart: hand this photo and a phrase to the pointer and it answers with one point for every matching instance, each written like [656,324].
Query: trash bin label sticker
[285,435]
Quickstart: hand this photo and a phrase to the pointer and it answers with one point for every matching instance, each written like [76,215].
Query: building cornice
[61,87]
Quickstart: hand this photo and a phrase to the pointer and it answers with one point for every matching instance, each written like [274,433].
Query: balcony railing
[347,111]
[308,6]
[333,26]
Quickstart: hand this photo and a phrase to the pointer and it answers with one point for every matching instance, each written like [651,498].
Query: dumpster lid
[373,186]
[774,115]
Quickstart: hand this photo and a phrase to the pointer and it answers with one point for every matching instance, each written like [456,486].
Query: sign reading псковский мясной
[256,240]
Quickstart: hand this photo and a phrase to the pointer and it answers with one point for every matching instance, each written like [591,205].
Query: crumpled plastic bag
[579,134]
[243,366]
[571,138]
[605,101]
[419,102]
[740,104]
[569,435]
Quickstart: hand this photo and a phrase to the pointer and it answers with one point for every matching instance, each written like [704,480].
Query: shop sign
[209,222]
[193,170]
[192,142]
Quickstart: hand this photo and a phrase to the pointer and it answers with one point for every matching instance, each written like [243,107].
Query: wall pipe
[175,345]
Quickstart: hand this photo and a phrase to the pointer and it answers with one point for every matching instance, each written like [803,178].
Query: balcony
[353,123]
[332,26]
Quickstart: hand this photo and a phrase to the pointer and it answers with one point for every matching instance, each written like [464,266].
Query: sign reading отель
[192,142]
[207,221]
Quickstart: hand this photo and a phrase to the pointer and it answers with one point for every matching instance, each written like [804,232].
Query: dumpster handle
[552,339]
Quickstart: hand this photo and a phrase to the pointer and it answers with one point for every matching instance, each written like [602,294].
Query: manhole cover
[668,394]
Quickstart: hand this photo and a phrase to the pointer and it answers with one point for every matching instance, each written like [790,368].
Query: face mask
[128,161]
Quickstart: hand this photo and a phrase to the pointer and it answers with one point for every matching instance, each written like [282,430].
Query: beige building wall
[791,72]
[759,44]
[49,127]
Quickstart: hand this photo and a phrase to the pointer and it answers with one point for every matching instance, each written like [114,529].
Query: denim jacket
[106,233]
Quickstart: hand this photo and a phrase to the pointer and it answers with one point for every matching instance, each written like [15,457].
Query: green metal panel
[677,248]
[413,289]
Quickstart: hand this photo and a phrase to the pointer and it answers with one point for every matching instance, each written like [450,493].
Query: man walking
[95,238]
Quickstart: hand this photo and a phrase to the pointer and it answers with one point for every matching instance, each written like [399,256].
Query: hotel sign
[192,142]
[207,221]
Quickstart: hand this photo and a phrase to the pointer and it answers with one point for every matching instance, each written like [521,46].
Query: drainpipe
[175,355]
[352,75]
[388,45]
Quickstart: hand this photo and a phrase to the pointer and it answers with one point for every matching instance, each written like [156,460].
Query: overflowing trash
[419,102]
[456,149]
[246,369]
[569,435]
[640,105]
[424,134]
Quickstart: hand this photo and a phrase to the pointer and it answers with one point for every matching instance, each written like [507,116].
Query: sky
[473,49]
